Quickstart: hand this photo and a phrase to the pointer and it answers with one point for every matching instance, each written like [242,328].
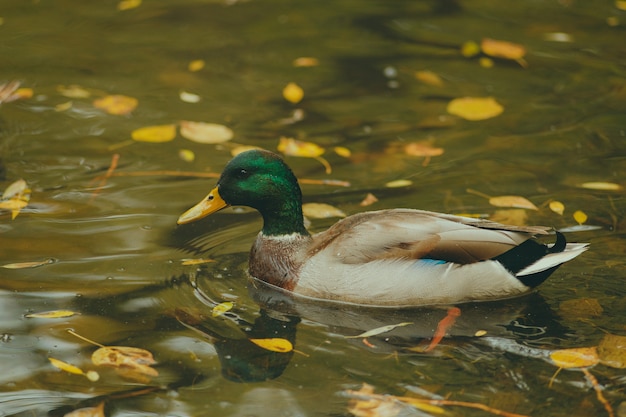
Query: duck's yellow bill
[210,204]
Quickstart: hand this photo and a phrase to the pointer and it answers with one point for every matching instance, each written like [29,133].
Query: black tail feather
[526,254]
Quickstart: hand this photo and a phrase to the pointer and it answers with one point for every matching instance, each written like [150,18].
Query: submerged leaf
[321,211]
[155,134]
[196,65]
[201,132]
[116,104]
[575,357]
[32,264]
[379,330]
[368,200]
[612,351]
[429,77]
[294,147]
[475,108]
[274,344]
[188,97]
[305,61]
[97,411]
[601,186]
[128,4]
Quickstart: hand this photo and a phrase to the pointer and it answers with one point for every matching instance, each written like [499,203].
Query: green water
[118,254]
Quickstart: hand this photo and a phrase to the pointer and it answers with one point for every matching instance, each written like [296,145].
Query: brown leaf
[502,49]
[116,104]
[97,411]
[135,359]
[612,351]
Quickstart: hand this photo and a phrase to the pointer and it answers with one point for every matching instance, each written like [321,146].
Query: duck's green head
[259,179]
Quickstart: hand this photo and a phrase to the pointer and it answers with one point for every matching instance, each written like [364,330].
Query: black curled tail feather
[527,253]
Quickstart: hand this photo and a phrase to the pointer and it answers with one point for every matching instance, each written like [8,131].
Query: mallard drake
[395,257]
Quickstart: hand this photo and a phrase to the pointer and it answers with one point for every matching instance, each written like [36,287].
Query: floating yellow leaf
[186,155]
[15,197]
[116,104]
[321,211]
[486,62]
[475,108]
[16,188]
[196,65]
[470,49]
[64,366]
[293,93]
[155,134]
[73,91]
[97,411]
[55,314]
[580,216]
[502,49]
[196,261]
[201,132]
[222,308]
[379,330]
[63,106]
[429,78]
[398,183]
[294,147]
[128,4]
[368,200]
[514,201]
[274,344]
[602,186]
[134,359]
[188,97]
[365,403]
[423,148]
[305,61]
[480,333]
[620,4]
[23,93]
[342,151]
[557,207]
[575,357]
[612,351]
[33,264]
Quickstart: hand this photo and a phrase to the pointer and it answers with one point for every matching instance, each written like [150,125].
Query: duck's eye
[243,173]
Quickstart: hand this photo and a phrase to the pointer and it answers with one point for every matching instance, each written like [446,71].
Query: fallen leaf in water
[513,201]
[475,108]
[294,147]
[15,197]
[64,366]
[274,344]
[429,78]
[188,97]
[398,183]
[513,217]
[502,49]
[293,93]
[55,314]
[612,351]
[117,104]
[208,133]
[470,49]
[196,261]
[63,106]
[73,91]
[342,151]
[24,93]
[365,403]
[97,411]
[380,330]
[557,207]
[580,216]
[306,61]
[155,134]
[601,186]
[222,308]
[368,200]
[321,211]
[620,4]
[424,149]
[486,62]
[186,155]
[32,264]
[196,65]
[128,4]
[575,357]
[133,359]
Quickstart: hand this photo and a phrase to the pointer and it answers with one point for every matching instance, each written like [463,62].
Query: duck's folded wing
[416,234]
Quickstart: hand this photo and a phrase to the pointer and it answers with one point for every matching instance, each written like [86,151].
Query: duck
[398,257]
